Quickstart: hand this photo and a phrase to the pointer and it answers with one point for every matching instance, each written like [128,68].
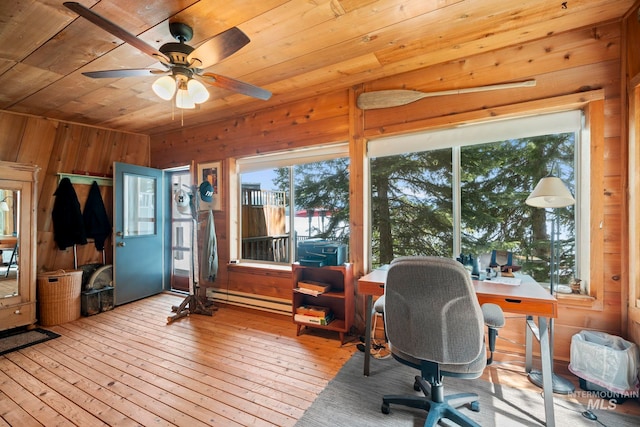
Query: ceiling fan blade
[219,47]
[236,86]
[395,98]
[131,72]
[115,30]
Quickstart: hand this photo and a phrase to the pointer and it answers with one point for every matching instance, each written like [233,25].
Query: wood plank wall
[58,147]
[318,120]
[631,75]
[563,64]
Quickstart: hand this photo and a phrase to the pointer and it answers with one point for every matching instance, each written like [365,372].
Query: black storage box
[318,253]
[95,301]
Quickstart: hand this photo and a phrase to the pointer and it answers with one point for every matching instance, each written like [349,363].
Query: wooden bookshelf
[339,298]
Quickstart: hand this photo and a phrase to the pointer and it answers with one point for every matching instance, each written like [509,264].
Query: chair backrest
[431,310]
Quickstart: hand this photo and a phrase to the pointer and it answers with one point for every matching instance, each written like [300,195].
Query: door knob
[121,244]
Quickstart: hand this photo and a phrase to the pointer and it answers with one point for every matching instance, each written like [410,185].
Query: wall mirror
[9,226]
[18,228]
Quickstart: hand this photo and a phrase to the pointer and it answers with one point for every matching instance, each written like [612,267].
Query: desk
[529,299]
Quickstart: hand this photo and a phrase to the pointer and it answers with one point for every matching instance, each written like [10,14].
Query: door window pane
[139,205]
[181,234]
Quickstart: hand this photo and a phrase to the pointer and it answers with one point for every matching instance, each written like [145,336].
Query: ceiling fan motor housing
[177,52]
[180,31]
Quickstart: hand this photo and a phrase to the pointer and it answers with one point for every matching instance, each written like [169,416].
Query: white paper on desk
[513,281]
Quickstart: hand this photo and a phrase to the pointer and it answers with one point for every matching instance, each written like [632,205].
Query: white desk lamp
[4,205]
[552,193]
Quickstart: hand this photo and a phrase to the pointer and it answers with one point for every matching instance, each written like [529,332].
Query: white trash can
[605,362]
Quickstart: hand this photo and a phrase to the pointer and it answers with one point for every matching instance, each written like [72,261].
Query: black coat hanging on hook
[96,220]
[68,224]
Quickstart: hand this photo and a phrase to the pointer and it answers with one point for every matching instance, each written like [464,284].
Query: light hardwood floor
[129,367]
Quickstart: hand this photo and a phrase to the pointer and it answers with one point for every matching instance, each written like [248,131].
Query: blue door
[138,234]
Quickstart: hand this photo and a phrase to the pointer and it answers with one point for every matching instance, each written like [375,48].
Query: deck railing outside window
[263,225]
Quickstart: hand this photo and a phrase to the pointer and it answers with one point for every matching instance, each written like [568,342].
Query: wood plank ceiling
[298,49]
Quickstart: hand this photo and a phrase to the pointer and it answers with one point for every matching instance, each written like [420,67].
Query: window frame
[264,161]
[486,131]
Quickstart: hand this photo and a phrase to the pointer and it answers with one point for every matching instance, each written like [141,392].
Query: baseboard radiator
[257,302]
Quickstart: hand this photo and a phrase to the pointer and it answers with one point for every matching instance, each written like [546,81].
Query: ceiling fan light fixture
[197,91]
[164,87]
[184,100]
[180,59]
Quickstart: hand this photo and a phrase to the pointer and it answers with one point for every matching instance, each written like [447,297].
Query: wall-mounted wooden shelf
[85,179]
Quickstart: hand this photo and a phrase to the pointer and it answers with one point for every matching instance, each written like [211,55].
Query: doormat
[13,341]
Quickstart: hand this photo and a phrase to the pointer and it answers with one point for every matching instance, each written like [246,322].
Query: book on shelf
[314,320]
[312,287]
[313,310]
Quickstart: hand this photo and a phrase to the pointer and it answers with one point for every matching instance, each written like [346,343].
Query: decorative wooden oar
[397,97]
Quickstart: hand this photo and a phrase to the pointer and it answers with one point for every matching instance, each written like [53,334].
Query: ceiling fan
[183,65]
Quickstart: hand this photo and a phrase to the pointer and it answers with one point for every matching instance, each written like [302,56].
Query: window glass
[301,196]
[139,205]
[265,210]
[181,233]
[464,193]
[412,205]
[495,181]
[321,201]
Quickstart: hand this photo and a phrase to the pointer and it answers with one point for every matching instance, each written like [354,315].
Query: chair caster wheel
[416,386]
[385,408]
[475,406]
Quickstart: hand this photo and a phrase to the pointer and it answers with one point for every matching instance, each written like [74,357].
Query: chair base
[560,385]
[447,408]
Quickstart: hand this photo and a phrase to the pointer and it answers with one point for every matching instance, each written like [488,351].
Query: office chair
[378,308]
[434,323]
[494,319]
[491,313]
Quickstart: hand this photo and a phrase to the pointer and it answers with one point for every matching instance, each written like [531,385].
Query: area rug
[12,341]
[353,400]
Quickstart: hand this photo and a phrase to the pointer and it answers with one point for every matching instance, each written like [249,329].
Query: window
[289,197]
[181,232]
[463,190]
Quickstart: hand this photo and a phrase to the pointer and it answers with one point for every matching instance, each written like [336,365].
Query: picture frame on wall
[211,172]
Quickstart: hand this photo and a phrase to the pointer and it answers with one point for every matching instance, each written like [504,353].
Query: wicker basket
[59,296]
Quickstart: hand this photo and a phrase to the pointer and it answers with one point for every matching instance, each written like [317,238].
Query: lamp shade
[197,91]
[550,193]
[164,87]
[184,100]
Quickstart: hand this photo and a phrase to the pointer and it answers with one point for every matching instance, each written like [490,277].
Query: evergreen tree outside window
[290,197]
[464,191]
